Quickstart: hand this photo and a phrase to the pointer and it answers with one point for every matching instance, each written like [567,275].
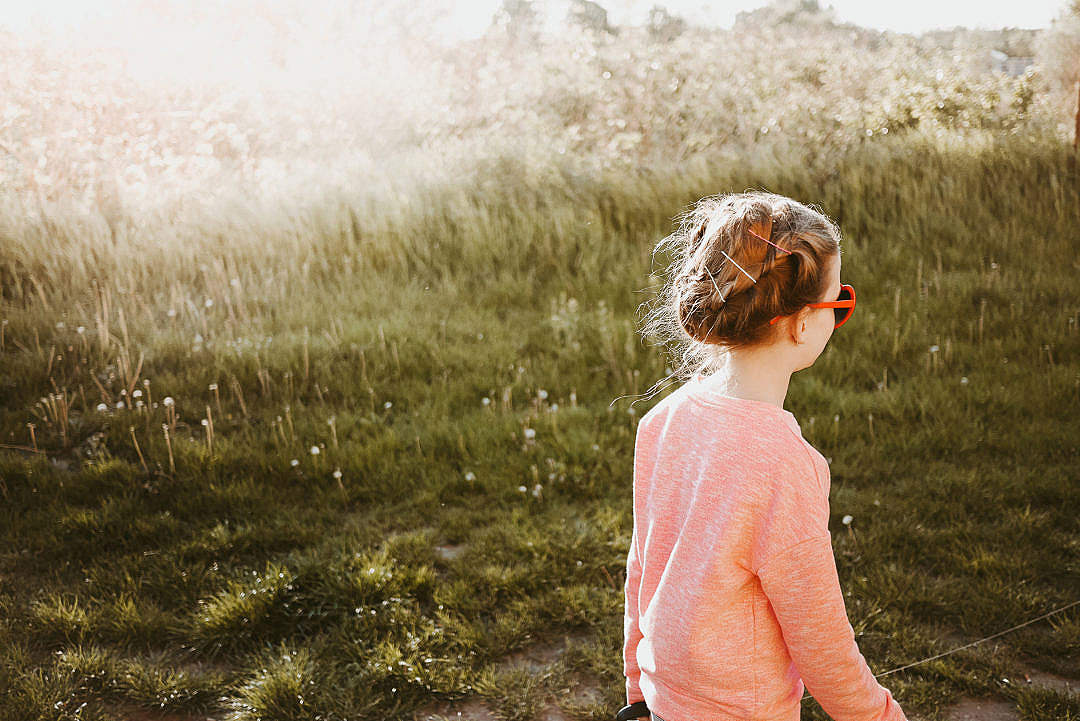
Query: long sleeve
[798,575]
[631,630]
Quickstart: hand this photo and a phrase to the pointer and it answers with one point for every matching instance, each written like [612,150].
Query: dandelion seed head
[119,404]
[205,422]
[80,330]
[168,401]
[337,473]
[846,520]
[387,405]
[470,476]
[102,407]
[523,489]
[314,450]
[208,302]
[485,401]
[542,393]
[294,463]
[213,386]
[136,393]
[530,433]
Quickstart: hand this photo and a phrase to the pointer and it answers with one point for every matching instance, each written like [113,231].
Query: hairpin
[739,266]
[722,298]
[768,241]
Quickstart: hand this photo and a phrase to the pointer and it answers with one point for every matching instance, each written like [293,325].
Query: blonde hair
[724,284]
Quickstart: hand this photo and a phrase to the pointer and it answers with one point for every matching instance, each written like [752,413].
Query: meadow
[294,427]
[344,464]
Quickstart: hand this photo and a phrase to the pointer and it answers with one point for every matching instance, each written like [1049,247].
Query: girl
[733,604]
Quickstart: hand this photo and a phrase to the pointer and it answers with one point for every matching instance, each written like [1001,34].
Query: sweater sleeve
[631,630]
[798,575]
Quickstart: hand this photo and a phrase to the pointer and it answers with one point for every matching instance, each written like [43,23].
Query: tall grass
[392,371]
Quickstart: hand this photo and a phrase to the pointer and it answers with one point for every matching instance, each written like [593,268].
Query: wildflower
[294,463]
[337,473]
[168,401]
[387,405]
[470,476]
[522,488]
[139,404]
[314,450]
[530,434]
[846,520]
[554,407]
[205,422]
[485,401]
[101,407]
[136,394]
[119,404]
[542,393]
[146,382]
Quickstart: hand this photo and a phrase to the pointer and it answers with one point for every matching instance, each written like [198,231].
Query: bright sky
[471,17]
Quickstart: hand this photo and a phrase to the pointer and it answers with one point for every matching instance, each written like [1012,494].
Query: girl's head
[725,285]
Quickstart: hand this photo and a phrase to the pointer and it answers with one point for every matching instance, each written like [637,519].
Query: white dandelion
[294,463]
[314,450]
[530,434]
[846,520]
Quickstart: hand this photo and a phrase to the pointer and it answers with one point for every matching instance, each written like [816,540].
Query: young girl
[733,604]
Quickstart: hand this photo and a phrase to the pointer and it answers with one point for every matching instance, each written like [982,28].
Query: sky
[469,18]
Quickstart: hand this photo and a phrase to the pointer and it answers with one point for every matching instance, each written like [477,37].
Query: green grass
[242,586]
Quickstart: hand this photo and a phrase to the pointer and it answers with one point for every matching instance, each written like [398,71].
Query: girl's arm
[631,631]
[804,590]
[792,556]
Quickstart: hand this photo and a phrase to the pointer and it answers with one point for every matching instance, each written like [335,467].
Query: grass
[460,353]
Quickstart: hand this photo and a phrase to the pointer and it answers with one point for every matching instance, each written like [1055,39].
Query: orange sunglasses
[843,306]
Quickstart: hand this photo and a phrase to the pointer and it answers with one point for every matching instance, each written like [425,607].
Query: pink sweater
[732,597]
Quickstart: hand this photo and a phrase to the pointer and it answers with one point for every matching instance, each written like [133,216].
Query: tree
[590,15]
[1058,55]
[517,19]
[665,27]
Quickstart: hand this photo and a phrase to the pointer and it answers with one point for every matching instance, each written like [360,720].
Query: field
[368,454]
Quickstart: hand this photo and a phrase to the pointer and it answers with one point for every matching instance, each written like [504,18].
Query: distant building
[1008,64]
